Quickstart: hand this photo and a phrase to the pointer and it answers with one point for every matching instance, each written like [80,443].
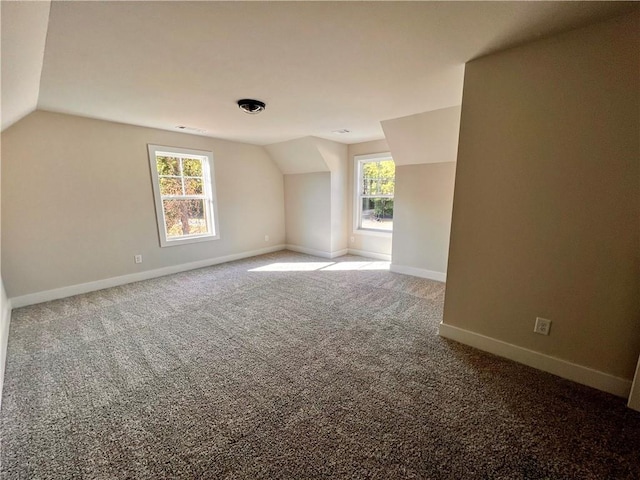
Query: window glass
[185,194]
[375,192]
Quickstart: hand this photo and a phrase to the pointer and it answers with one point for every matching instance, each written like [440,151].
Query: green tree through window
[376,189]
[183,200]
[184,194]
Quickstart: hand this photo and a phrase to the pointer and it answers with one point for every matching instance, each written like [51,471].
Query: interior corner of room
[523,196]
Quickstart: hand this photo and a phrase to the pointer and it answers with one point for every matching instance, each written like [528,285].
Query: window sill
[373,233]
[186,241]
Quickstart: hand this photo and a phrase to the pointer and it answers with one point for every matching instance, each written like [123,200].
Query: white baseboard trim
[339,253]
[364,253]
[56,293]
[5,319]
[316,253]
[634,396]
[419,272]
[562,368]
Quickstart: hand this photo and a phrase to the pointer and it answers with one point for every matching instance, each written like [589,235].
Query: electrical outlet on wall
[137,258]
[266,238]
[542,326]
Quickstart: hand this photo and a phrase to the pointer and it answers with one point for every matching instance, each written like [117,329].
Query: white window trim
[358,160]
[211,204]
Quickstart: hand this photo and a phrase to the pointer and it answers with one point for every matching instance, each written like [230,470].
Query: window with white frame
[184,191]
[375,186]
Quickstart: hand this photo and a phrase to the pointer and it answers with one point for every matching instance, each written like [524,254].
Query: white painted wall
[77,201]
[547,200]
[424,148]
[308,226]
[422,219]
[308,212]
[335,156]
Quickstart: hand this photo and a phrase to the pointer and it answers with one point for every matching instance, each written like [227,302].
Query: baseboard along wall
[562,368]
[39,297]
[63,292]
[365,253]
[419,272]
[5,320]
[315,252]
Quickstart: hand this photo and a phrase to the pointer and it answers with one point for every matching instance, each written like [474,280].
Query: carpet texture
[287,366]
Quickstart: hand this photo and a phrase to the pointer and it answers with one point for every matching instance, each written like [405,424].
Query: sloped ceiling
[24,31]
[298,156]
[319,66]
[429,137]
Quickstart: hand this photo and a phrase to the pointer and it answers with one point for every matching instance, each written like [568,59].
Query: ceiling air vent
[190,129]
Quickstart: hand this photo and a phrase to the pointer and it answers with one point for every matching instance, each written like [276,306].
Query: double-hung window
[375,186]
[184,191]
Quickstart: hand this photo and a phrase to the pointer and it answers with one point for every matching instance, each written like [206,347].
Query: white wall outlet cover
[542,326]
[137,258]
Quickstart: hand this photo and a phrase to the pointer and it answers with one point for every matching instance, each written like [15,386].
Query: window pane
[369,186]
[378,178]
[184,217]
[192,167]
[170,186]
[168,165]
[387,185]
[377,213]
[193,186]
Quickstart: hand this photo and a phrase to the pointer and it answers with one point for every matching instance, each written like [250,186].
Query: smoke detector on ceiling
[250,106]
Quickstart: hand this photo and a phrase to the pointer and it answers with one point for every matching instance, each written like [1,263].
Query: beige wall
[335,155]
[365,242]
[339,212]
[307,225]
[308,210]
[424,148]
[77,201]
[547,200]
[5,307]
[422,217]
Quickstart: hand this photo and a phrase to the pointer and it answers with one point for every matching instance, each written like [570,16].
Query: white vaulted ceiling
[319,66]
[24,31]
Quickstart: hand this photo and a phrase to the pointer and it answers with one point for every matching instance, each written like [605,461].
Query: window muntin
[184,192]
[375,188]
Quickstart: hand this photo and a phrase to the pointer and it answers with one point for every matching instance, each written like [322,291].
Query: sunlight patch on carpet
[358,266]
[321,266]
[292,267]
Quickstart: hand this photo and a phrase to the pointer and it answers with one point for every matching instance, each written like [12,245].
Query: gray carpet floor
[272,367]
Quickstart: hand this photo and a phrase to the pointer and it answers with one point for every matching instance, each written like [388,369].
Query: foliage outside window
[375,190]
[184,193]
